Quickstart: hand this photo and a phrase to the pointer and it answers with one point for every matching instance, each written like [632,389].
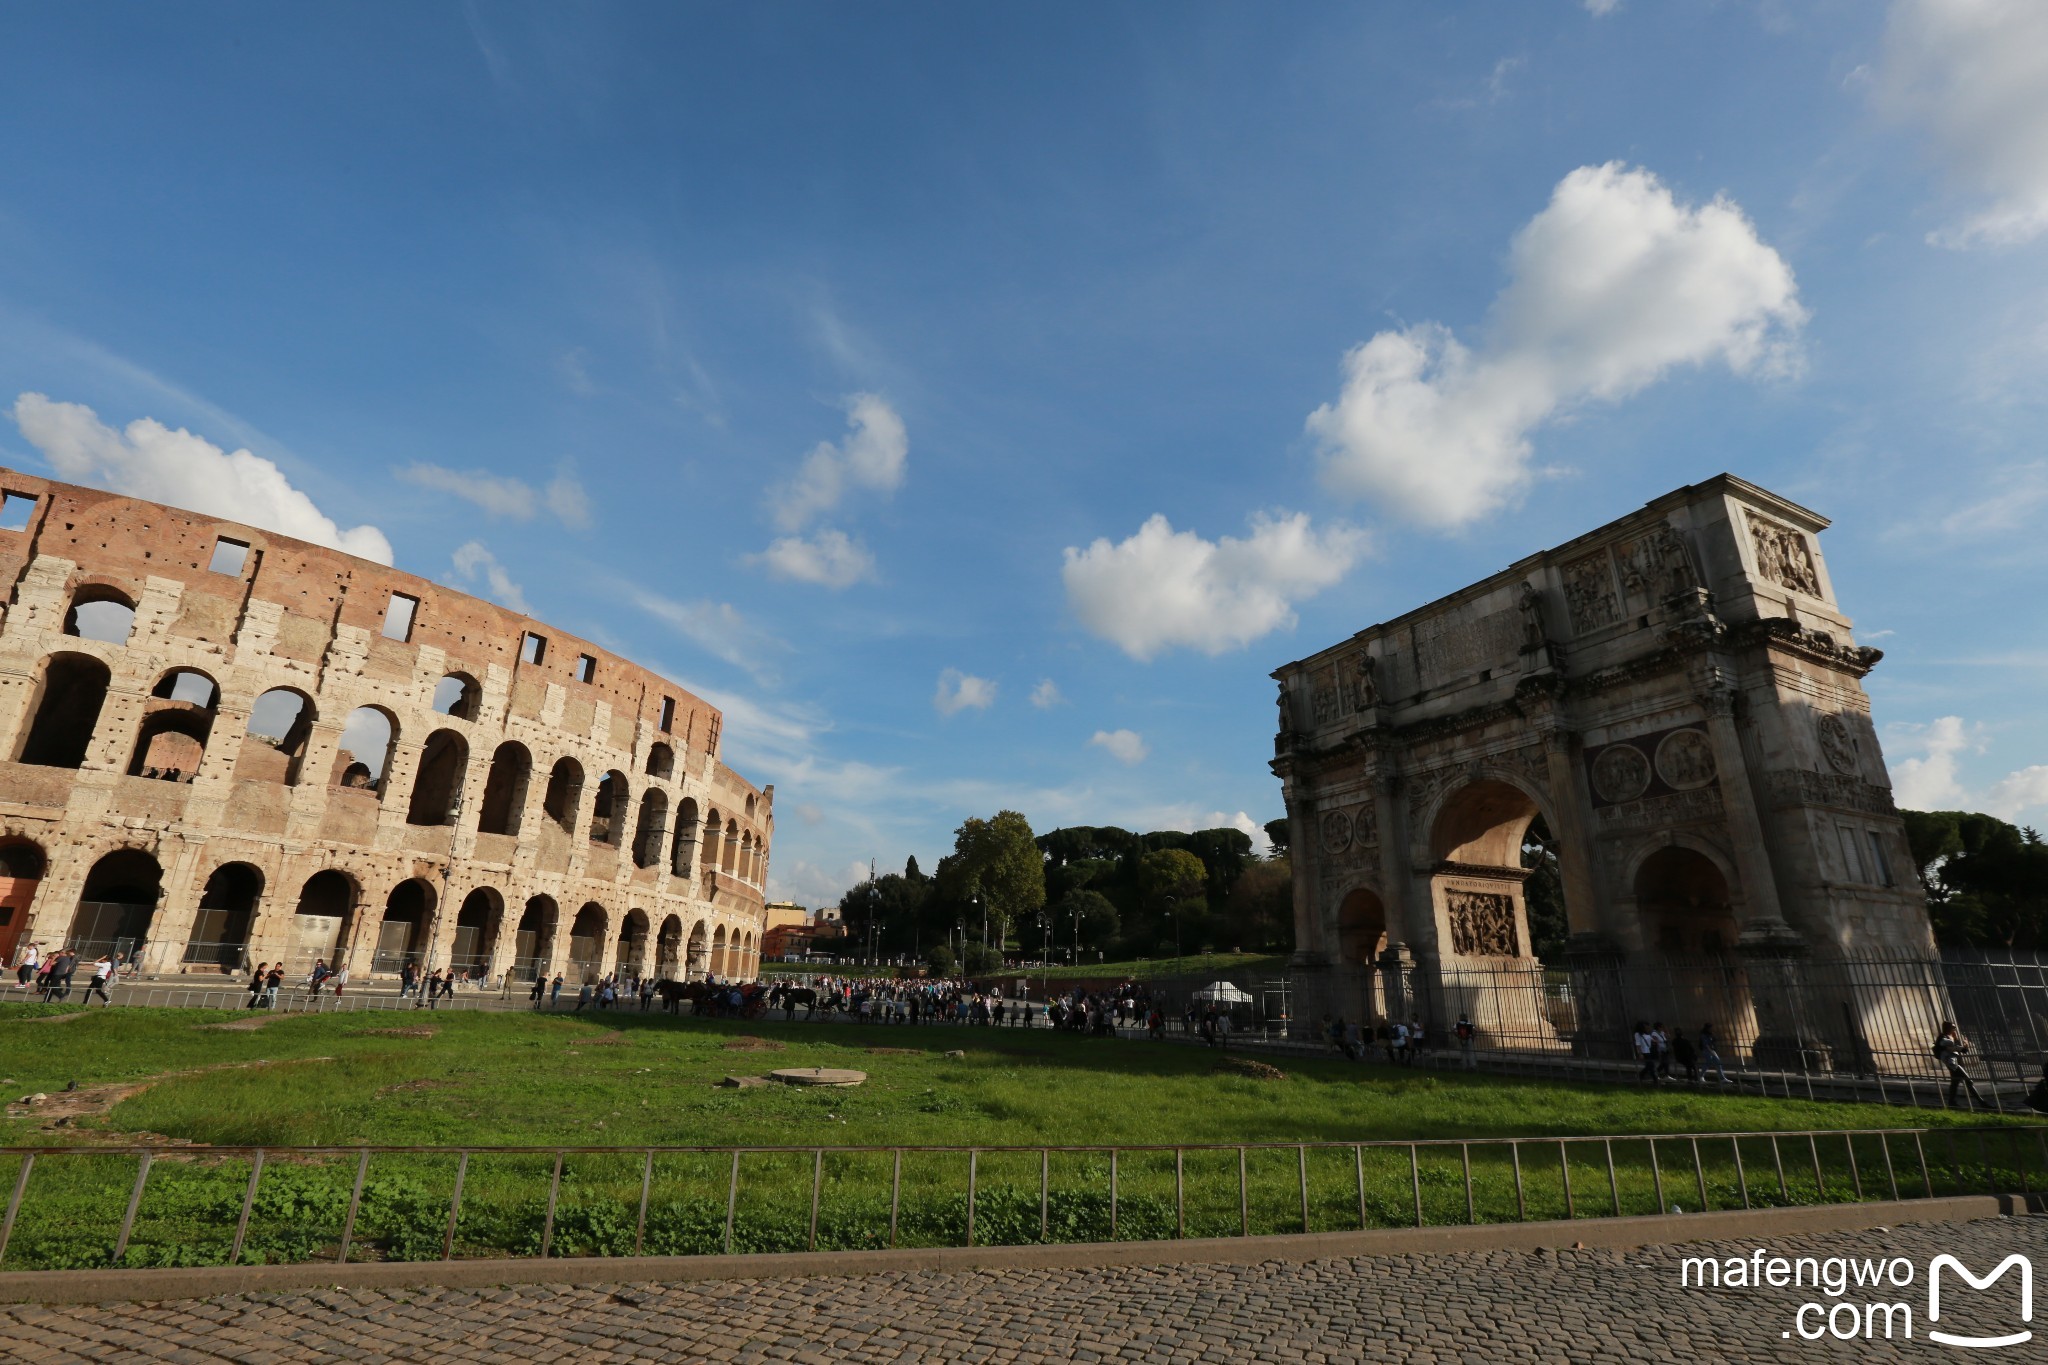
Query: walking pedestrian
[1710,1053]
[555,993]
[31,964]
[582,997]
[1397,1044]
[256,984]
[1467,1035]
[340,977]
[1682,1052]
[1646,1052]
[102,970]
[1660,1048]
[1950,1047]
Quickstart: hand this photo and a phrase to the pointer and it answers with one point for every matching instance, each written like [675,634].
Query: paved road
[1496,1306]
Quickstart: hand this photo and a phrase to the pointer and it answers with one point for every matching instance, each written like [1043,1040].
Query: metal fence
[1122,1193]
[1871,1019]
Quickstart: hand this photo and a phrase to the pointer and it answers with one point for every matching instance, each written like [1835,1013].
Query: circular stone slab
[817,1075]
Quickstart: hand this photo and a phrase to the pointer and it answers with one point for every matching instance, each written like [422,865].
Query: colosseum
[226,746]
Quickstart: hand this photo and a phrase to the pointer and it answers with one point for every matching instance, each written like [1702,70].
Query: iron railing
[1392,1183]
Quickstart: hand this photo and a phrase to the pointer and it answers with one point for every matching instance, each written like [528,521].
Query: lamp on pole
[1044,952]
[1173,910]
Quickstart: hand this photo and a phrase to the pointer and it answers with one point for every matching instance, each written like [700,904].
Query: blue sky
[978,401]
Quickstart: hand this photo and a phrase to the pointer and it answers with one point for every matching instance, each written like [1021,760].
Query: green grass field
[1249,967]
[626,1079]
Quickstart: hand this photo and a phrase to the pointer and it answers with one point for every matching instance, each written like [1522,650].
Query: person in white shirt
[102,973]
[25,972]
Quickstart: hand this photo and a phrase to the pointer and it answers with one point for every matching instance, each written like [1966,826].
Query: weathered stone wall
[301,617]
[1677,694]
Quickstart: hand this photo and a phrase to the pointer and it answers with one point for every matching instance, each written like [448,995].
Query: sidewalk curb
[99,1286]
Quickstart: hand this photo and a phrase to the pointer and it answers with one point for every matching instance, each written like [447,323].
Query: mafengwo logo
[1881,1311]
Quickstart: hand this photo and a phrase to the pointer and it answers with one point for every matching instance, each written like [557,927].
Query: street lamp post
[1173,910]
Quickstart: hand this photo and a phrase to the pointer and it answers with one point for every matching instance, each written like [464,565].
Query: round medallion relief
[1620,773]
[1685,760]
[1336,831]
[1835,743]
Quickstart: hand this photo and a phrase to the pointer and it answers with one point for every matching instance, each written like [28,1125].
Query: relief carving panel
[1589,593]
[1482,924]
[1782,556]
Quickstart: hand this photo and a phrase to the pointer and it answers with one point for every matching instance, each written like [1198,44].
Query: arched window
[402,936]
[668,950]
[630,960]
[731,852]
[534,942]
[586,943]
[682,857]
[661,761]
[653,828]
[280,724]
[438,787]
[176,723]
[117,906]
[362,759]
[322,921]
[505,789]
[564,795]
[476,933]
[66,712]
[712,831]
[608,816]
[100,613]
[459,696]
[227,909]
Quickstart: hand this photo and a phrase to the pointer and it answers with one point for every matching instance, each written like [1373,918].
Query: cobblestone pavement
[1565,1305]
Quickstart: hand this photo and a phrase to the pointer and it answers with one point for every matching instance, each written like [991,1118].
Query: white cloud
[568,500]
[502,495]
[1602,8]
[573,365]
[1261,843]
[1931,779]
[872,456]
[1125,746]
[496,494]
[1162,587]
[1612,285]
[716,627]
[1046,695]
[2016,793]
[149,460]
[473,560]
[831,559]
[811,886]
[1975,72]
[959,691]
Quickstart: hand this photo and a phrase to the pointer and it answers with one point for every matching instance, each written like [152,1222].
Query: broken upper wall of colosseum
[171,680]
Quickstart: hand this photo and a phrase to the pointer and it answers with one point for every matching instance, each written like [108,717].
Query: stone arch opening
[1683,901]
[476,933]
[437,788]
[362,757]
[731,851]
[586,943]
[274,744]
[117,905]
[102,613]
[407,926]
[21,873]
[227,911]
[682,854]
[1476,884]
[176,723]
[66,711]
[661,761]
[713,829]
[505,789]
[564,796]
[534,941]
[458,696]
[718,951]
[653,828]
[629,962]
[323,921]
[697,954]
[608,812]
[668,950]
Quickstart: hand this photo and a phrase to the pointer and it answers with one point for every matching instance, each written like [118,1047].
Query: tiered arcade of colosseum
[225,746]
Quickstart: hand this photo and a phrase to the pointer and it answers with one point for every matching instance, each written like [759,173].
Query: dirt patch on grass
[249,1025]
[65,1109]
[1245,1066]
[612,1039]
[396,1032]
[747,1042]
[55,1018]
[895,1051]
[415,1087]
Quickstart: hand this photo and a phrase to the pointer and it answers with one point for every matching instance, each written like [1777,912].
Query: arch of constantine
[224,746]
[1677,697]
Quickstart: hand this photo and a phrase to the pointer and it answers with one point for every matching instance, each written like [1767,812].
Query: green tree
[1260,912]
[1094,914]
[1276,830]
[1175,883]
[999,862]
[938,959]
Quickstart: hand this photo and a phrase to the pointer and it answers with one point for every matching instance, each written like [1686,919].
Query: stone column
[1309,944]
[1745,823]
[1570,804]
[1396,877]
